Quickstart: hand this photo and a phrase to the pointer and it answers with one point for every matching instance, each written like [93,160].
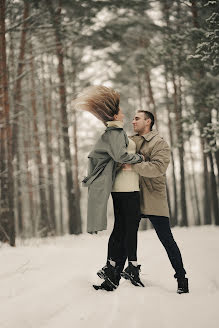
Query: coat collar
[115,124]
[148,136]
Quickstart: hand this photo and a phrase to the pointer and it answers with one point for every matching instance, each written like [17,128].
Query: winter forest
[160,55]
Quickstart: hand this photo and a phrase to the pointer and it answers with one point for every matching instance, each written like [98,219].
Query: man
[153,196]
[154,204]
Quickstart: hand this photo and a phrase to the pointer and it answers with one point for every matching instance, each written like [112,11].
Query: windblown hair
[101,101]
[147,115]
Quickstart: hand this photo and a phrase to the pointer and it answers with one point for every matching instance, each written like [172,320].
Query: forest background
[160,55]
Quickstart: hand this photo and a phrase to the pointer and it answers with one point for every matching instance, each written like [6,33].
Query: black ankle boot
[132,273]
[111,274]
[183,286]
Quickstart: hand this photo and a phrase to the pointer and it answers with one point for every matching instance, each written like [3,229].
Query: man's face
[140,123]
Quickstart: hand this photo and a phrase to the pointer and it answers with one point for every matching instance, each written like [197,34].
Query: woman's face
[119,116]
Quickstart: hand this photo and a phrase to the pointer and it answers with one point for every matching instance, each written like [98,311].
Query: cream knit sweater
[127,180]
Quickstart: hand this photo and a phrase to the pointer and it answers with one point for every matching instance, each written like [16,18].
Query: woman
[109,150]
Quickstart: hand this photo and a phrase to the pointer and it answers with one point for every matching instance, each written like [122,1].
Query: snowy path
[48,284]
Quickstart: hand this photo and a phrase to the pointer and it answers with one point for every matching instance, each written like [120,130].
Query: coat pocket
[147,183]
[159,184]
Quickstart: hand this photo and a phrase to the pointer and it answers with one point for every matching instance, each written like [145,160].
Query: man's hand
[127,167]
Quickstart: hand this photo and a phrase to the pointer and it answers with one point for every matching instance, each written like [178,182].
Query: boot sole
[179,291]
[96,287]
[126,276]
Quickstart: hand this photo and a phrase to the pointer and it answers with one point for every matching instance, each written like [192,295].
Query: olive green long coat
[153,173]
[111,148]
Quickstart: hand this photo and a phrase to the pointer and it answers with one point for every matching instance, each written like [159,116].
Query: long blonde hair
[101,101]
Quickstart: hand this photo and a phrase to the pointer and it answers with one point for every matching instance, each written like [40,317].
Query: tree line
[161,55]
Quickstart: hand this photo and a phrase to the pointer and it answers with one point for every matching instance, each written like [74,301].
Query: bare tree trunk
[178,112]
[184,221]
[74,220]
[75,159]
[17,87]
[139,89]
[198,215]
[11,56]
[16,114]
[178,115]
[190,192]
[194,13]
[48,129]
[212,143]
[151,95]
[206,196]
[214,189]
[192,181]
[57,130]
[60,179]
[29,178]
[75,165]
[216,155]
[44,226]
[7,222]
[174,217]
[51,165]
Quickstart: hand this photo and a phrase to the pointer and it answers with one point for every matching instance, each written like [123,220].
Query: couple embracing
[133,171]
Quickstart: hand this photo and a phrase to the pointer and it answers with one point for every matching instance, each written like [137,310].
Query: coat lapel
[139,141]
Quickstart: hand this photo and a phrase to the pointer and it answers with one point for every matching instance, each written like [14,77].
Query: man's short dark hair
[147,115]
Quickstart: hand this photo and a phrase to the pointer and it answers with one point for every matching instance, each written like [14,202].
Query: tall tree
[48,130]
[74,218]
[17,111]
[174,218]
[7,223]
[44,224]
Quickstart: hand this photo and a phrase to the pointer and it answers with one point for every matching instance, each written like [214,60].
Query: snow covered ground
[48,284]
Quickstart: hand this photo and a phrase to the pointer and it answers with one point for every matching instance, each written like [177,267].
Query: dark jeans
[162,227]
[123,239]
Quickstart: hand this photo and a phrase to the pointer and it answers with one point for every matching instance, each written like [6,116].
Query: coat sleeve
[118,150]
[159,161]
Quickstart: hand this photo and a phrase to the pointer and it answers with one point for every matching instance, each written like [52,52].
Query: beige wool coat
[153,173]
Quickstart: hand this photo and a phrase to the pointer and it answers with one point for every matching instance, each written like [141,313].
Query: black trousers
[161,225]
[123,239]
